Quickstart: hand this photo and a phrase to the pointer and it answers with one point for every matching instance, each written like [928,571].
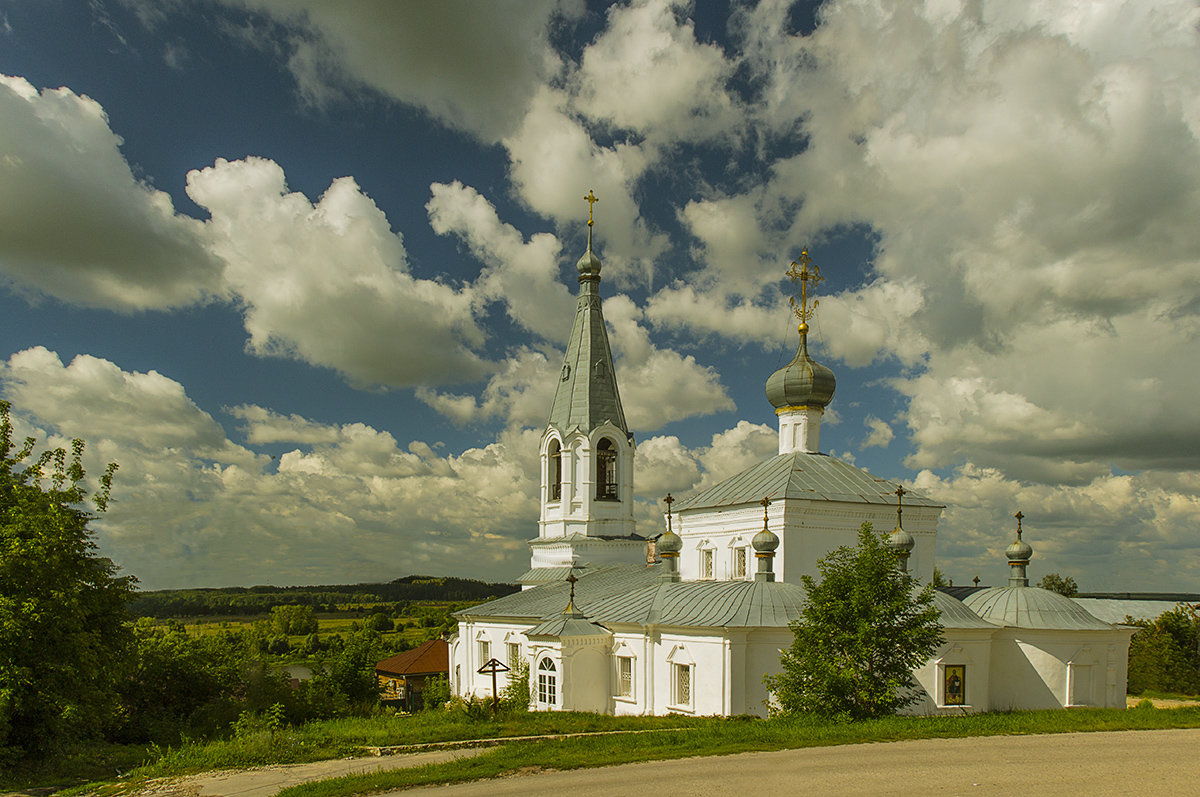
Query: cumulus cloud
[1098,531]
[193,508]
[471,66]
[647,73]
[328,283]
[523,275]
[880,435]
[78,225]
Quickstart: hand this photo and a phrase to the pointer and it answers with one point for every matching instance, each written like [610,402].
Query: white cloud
[193,508]
[520,393]
[329,283]
[880,435]
[1101,532]
[552,155]
[646,72]
[472,66]
[658,385]
[522,275]
[78,225]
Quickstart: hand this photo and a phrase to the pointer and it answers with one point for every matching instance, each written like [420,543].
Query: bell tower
[587,450]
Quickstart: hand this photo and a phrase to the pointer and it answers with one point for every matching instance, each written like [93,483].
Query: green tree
[865,627]
[293,620]
[179,680]
[63,618]
[1164,654]
[379,622]
[1063,585]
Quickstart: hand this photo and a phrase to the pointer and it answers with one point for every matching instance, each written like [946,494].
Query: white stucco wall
[968,647]
[1043,669]
[807,530]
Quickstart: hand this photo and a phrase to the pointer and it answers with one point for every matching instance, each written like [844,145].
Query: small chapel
[690,621]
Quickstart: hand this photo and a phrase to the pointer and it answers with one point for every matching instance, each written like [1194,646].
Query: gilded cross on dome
[900,493]
[804,271]
[1018,516]
[592,199]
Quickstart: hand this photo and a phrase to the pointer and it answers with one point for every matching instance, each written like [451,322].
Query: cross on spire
[592,199]
[804,271]
[900,493]
[669,500]
[1018,516]
[766,502]
[571,579]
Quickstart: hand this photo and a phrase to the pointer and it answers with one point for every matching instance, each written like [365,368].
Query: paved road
[1095,764]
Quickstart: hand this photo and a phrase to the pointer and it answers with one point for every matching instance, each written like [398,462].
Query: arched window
[547,683]
[555,471]
[606,470]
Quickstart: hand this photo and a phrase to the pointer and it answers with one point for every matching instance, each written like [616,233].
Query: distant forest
[260,600]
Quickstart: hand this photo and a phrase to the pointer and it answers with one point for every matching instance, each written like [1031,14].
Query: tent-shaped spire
[587,395]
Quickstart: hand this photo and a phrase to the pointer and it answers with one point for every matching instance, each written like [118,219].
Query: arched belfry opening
[607,486]
[554,475]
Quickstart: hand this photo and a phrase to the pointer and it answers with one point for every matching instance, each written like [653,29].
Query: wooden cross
[799,272]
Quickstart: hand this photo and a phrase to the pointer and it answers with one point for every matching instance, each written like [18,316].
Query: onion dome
[803,382]
[669,543]
[589,264]
[766,541]
[1019,551]
[901,542]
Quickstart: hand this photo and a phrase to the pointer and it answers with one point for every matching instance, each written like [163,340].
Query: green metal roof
[567,625]
[587,395]
[955,614]
[708,604]
[1032,607]
[595,586]
[799,475]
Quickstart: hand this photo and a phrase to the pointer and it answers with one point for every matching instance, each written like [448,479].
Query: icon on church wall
[956,685]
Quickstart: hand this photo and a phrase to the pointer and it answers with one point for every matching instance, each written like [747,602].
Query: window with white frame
[484,649]
[682,674]
[706,563]
[514,654]
[547,683]
[682,684]
[624,676]
[739,562]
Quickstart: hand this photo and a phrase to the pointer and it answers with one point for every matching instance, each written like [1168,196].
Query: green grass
[724,737]
[339,738]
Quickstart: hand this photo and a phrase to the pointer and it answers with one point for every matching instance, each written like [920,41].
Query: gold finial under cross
[1018,516]
[592,199]
[900,493]
[804,271]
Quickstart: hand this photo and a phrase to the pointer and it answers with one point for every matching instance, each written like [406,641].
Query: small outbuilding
[403,677]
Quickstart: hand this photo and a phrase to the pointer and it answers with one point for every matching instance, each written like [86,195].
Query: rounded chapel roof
[1031,607]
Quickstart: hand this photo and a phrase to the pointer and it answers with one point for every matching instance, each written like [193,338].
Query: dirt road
[265,781]
[1096,764]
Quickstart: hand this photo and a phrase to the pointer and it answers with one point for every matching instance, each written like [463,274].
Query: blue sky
[305,269]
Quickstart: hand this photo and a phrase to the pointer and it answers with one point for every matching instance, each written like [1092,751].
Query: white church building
[691,622]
